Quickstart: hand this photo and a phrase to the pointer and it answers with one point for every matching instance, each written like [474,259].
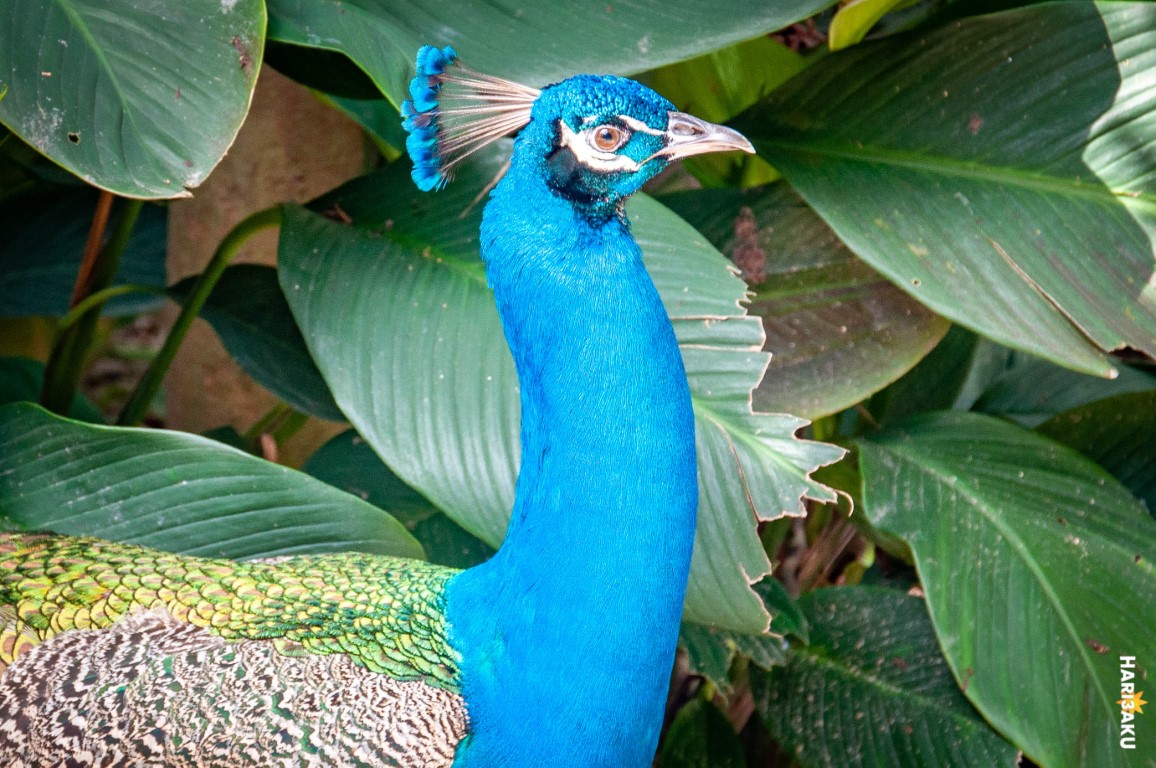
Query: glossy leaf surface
[1037,566]
[997,169]
[537,43]
[141,99]
[397,313]
[177,492]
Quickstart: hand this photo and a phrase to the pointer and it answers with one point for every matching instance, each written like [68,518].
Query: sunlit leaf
[536,43]
[177,492]
[141,99]
[996,169]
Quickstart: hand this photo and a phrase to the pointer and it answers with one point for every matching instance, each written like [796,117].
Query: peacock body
[556,651]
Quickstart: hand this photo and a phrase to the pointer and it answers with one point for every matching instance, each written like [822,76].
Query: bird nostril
[686,129]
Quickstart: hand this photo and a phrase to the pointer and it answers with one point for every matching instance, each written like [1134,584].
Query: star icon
[1134,701]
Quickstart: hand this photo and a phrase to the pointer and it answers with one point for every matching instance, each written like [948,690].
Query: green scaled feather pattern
[386,613]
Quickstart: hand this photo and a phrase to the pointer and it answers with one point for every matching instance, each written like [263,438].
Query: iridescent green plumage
[386,614]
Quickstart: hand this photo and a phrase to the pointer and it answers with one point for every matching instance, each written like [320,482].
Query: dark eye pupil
[606,135]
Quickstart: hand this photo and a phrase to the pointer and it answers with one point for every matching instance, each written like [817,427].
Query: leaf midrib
[927,466]
[944,165]
[923,702]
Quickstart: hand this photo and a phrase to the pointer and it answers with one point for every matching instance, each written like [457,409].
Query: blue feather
[454,112]
[567,635]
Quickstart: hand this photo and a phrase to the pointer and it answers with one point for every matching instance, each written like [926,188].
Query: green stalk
[99,298]
[146,390]
[66,360]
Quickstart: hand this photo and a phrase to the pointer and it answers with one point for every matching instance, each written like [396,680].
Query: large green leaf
[1116,433]
[43,240]
[348,462]
[249,313]
[837,331]
[993,169]
[1038,571]
[536,43]
[872,689]
[177,492]
[139,98]
[397,313]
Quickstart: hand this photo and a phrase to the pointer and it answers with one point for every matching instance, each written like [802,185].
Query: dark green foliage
[871,689]
[963,222]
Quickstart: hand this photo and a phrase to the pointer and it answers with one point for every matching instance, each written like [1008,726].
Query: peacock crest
[453,112]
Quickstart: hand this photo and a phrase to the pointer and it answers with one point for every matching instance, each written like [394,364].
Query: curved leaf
[872,689]
[397,313]
[177,492]
[1038,571]
[837,331]
[537,43]
[141,99]
[249,313]
[997,170]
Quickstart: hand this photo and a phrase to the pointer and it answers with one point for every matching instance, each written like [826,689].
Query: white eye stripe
[638,126]
[632,123]
[589,156]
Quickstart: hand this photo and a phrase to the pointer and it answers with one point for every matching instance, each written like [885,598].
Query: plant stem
[267,423]
[97,269]
[146,390]
[99,298]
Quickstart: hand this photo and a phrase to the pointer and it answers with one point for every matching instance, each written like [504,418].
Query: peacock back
[135,657]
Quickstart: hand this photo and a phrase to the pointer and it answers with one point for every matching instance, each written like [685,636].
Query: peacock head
[594,138]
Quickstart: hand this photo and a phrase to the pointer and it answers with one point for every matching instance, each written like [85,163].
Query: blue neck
[567,635]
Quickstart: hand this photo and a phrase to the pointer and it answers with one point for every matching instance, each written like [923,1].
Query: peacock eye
[608,138]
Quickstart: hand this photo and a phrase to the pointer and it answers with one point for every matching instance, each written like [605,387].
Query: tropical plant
[946,248]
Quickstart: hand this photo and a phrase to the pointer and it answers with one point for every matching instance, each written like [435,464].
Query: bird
[558,649]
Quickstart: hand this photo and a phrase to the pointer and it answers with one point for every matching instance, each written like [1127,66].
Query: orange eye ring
[608,138]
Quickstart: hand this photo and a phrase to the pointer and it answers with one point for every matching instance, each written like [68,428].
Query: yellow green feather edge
[385,613]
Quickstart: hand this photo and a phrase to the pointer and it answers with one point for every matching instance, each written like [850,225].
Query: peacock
[557,650]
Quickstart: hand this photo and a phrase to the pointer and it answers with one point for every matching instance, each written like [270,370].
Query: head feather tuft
[453,112]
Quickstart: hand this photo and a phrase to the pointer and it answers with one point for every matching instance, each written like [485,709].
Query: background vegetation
[947,245]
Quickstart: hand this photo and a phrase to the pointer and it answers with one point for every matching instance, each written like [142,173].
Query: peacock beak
[686,135]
